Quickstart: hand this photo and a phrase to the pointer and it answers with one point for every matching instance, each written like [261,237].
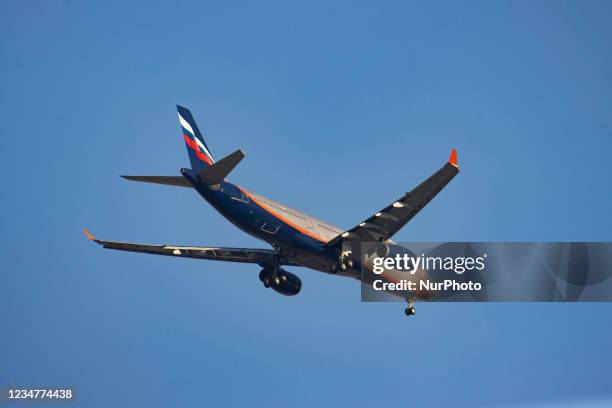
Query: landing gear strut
[410,310]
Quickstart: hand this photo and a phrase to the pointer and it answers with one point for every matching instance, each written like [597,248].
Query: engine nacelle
[284,282]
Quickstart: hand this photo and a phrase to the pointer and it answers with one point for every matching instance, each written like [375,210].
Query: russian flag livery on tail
[199,154]
[296,238]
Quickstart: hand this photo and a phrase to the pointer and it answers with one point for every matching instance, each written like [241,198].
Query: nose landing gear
[410,310]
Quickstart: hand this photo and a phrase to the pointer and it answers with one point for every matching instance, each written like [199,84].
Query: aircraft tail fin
[210,175]
[202,163]
[199,154]
[215,173]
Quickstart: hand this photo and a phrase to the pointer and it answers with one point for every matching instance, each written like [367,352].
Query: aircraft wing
[262,257]
[385,223]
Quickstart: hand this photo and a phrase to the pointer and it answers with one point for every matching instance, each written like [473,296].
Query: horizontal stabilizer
[217,172]
[178,181]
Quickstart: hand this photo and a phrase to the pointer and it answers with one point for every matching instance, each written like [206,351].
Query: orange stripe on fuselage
[283,219]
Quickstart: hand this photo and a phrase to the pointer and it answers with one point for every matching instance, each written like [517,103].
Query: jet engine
[282,282]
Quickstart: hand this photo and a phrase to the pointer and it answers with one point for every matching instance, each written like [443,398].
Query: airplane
[297,239]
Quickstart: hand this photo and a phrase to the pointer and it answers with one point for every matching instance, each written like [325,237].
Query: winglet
[453,158]
[88,234]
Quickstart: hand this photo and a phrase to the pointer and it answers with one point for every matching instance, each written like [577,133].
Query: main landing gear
[344,262]
[268,278]
[410,310]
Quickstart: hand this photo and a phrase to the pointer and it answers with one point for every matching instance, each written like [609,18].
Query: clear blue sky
[341,107]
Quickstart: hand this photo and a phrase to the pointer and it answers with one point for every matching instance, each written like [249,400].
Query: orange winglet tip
[453,158]
[88,234]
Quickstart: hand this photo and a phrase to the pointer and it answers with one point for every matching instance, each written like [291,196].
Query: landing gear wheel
[410,311]
[264,277]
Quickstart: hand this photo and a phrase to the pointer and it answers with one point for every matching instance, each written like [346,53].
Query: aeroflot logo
[407,263]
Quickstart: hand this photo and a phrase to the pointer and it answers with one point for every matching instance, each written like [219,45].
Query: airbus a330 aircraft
[297,239]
